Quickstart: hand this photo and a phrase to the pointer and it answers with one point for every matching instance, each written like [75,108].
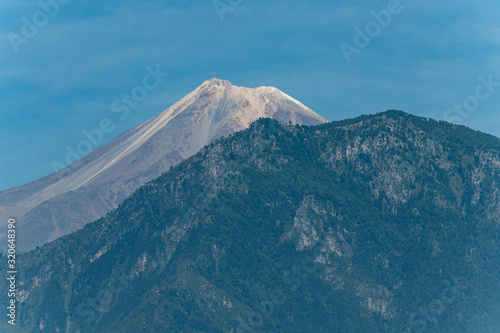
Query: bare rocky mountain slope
[92,186]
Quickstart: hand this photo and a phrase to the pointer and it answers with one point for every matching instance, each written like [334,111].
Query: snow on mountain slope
[92,186]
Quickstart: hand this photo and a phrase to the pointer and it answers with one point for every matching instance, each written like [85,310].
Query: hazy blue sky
[62,78]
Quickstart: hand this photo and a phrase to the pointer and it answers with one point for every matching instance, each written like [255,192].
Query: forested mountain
[382,223]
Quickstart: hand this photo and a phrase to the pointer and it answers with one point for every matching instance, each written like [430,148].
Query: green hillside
[382,223]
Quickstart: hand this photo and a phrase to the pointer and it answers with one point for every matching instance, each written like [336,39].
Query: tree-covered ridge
[381,223]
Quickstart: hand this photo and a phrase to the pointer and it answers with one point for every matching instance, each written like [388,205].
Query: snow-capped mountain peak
[95,184]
